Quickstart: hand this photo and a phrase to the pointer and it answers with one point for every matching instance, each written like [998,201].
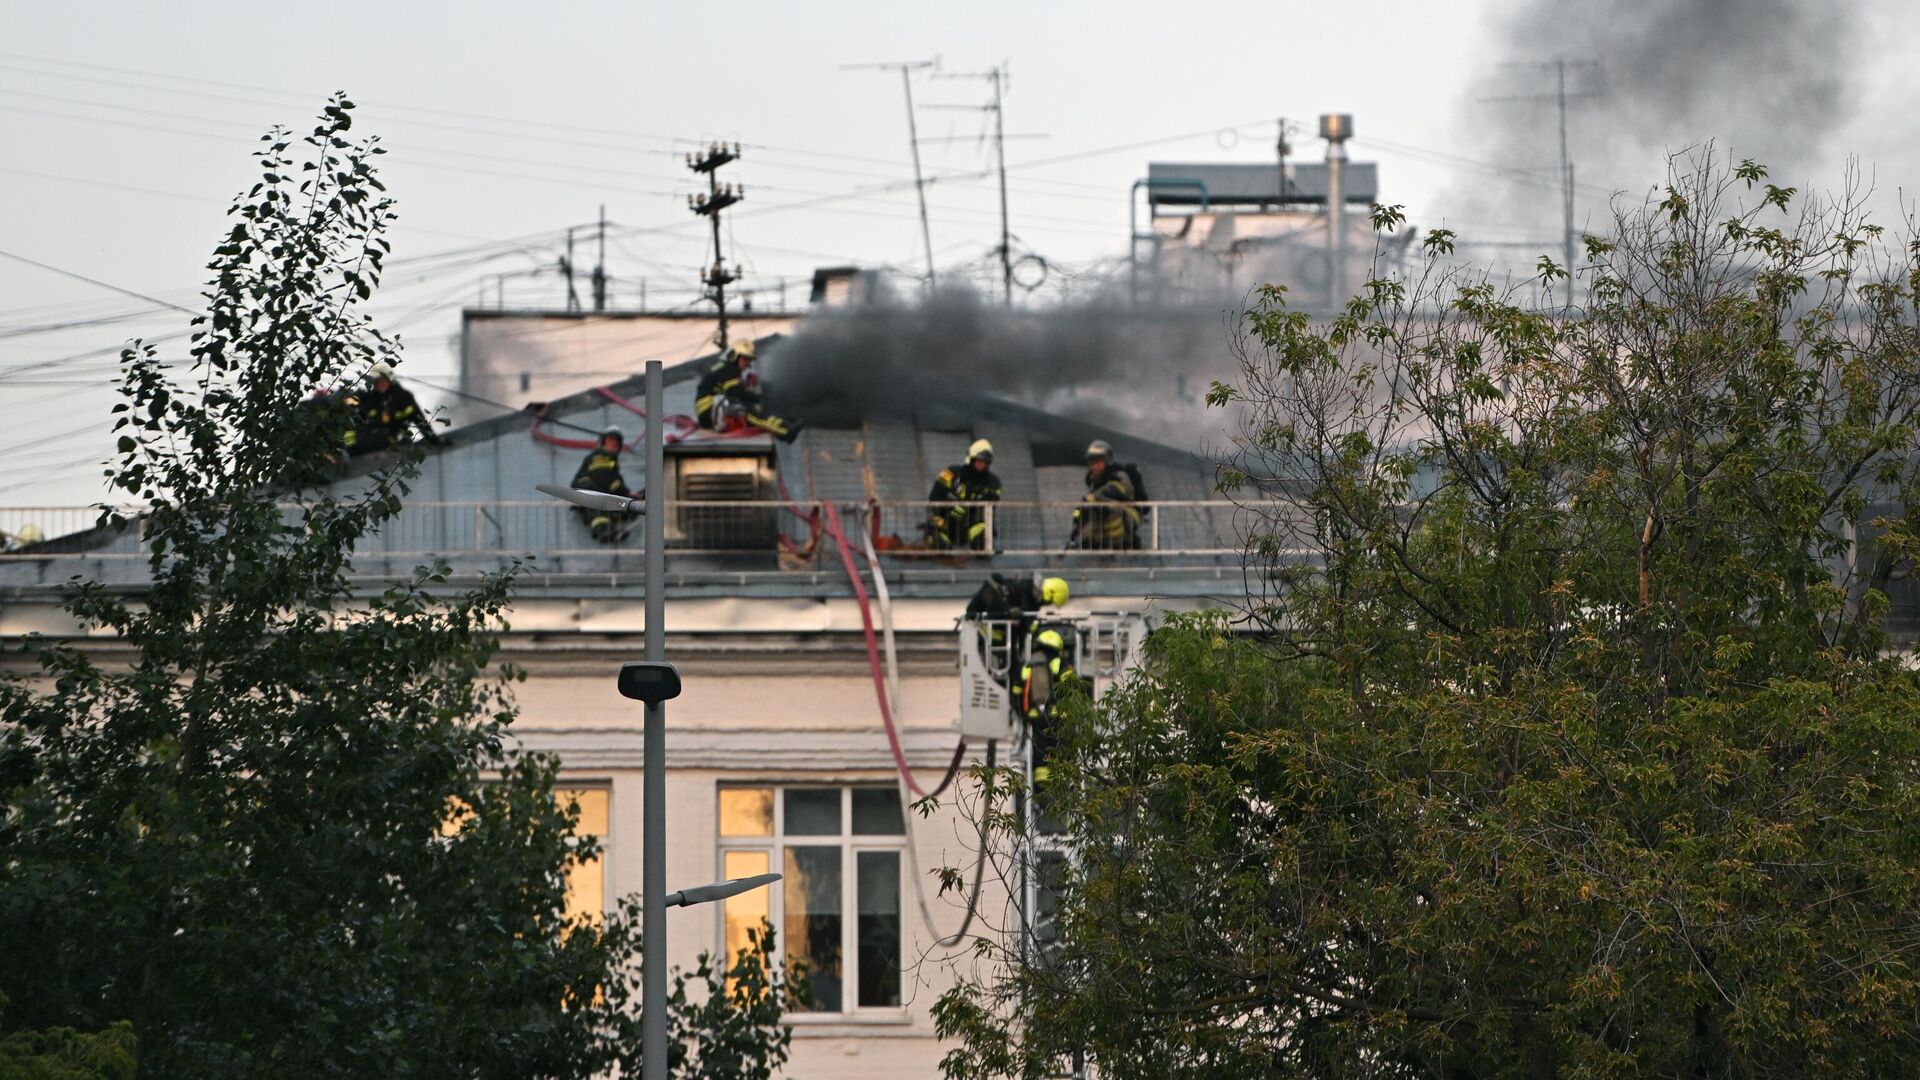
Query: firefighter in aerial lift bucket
[729,398]
[1109,515]
[951,523]
[601,472]
[1048,666]
[1006,603]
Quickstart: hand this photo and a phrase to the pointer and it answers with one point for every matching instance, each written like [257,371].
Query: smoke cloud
[1140,370]
[1771,80]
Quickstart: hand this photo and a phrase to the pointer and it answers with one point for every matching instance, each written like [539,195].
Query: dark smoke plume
[1771,80]
[1141,370]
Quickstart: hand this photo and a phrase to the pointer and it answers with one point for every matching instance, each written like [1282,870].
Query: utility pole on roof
[906,70]
[600,265]
[997,75]
[566,267]
[1560,97]
[717,198]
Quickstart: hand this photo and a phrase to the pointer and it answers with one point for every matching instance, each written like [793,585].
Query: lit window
[587,880]
[838,909]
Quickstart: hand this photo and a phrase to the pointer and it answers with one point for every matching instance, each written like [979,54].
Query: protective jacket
[381,418]
[723,378]
[726,390]
[1003,597]
[946,526]
[1039,688]
[601,472]
[1107,518]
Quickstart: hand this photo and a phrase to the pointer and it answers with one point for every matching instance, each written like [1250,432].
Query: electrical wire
[154,300]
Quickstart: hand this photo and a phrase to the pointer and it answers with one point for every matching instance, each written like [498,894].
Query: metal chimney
[1336,128]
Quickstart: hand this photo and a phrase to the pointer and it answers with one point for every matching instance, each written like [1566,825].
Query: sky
[128,128]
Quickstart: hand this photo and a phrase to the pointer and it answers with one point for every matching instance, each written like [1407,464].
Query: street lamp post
[655,682]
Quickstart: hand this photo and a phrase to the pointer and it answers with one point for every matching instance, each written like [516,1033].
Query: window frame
[603,862]
[850,845]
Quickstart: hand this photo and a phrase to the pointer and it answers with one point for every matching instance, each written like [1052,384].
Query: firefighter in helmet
[952,523]
[385,414]
[601,472]
[729,396]
[1047,669]
[1006,608]
[1107,518]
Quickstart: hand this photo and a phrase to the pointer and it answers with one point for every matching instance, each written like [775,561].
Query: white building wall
[795,729]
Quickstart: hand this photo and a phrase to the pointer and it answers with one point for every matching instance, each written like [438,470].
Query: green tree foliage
[66,1054]
[1563,738]
[286,832]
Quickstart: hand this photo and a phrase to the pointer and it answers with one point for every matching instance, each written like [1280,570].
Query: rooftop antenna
[997,75]
[1559,68]
[906,69]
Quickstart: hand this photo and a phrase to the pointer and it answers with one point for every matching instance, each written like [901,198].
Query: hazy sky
[127,126]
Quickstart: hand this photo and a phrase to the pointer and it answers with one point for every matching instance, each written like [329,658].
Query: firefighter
[1107,519]
[1047,669]
[384,414]
[601,472]
[729,395]
[329,418]
[972,482]
[1003,600]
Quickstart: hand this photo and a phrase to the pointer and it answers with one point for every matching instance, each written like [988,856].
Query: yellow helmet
[742,349]
[1049,640]
[1053,591]
[981,448]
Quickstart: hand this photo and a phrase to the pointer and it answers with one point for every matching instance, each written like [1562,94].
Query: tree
[292,836]
[1563,737]
[66,1054]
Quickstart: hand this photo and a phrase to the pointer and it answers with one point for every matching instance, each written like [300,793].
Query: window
[587,881]
[838,909]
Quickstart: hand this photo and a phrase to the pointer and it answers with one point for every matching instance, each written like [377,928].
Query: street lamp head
[650,681]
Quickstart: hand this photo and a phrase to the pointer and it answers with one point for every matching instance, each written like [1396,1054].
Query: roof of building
[474,502]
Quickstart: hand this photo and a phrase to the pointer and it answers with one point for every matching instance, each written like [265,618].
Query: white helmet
[381,370]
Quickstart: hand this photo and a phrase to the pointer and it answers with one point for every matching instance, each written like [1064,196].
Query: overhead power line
[154,300]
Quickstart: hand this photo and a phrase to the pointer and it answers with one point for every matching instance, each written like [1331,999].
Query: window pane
[746,811]
[813,924]
[879,883]
[593,809]
[876,812]
[747,910]
[586,889]
[813,811]
[1050,874]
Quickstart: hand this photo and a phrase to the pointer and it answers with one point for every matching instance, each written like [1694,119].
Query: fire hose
[887,691]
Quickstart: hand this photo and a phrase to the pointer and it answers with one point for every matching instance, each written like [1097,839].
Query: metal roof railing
[901,530]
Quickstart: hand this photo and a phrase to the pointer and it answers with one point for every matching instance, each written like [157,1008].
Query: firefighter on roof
[601,472]
[385,414]
[951,522]
[1107,519]
[729,397]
